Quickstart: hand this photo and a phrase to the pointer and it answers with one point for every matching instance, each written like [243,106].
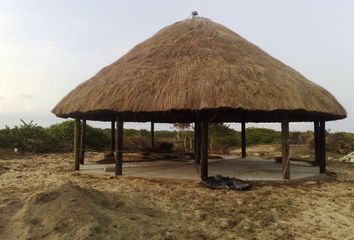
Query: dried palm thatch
[198,66]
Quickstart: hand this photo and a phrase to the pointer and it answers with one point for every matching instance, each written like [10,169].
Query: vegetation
[184,135]
[262,136]
[340,142]
[29,137]
[222,138]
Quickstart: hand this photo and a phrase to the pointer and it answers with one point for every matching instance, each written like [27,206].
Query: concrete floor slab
[247,169]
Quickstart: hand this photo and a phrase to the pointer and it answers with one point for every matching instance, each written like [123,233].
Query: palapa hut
[198,71]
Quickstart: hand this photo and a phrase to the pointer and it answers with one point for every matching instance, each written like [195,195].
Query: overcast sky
[48,47]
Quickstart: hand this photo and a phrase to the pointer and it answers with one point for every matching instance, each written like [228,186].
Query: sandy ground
[42,198]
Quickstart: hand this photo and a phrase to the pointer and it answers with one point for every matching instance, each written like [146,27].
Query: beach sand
[41,197]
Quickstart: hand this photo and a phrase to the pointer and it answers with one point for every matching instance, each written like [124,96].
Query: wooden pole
[83,141]
[152,132]
[195,139]
[316,142]
[204,150]
[119,147]
[113,137]
[197,143]
[285,148]
[322,146]
[243,139]
[77,143]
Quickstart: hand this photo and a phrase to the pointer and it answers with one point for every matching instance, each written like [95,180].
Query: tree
[222,137]
[183,133]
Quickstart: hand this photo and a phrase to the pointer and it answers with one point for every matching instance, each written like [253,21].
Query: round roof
[197,68]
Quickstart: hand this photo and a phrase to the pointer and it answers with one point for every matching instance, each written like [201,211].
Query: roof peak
[194,14]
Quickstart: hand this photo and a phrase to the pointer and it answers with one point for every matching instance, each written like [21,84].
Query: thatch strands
[194,65]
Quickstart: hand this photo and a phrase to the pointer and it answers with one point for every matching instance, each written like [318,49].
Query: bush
[62,131]
[133,132]
[63,135]
[7,138]
[339,143]
[222,138]
[301,137]
[262,136]
[163,134]
[28,137]
[98,139]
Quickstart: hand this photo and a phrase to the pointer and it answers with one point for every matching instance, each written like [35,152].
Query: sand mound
[66,211]
[72,212]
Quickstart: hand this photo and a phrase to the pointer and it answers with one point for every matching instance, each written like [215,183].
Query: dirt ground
[42,198]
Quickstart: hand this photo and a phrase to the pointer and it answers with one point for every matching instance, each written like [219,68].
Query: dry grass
[41,198]
[197,64]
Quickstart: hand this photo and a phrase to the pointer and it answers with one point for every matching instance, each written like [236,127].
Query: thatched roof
[195,66]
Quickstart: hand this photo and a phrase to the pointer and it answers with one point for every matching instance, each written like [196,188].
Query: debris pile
[220,182]
[348,158]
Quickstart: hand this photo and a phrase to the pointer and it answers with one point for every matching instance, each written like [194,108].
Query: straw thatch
[194,66]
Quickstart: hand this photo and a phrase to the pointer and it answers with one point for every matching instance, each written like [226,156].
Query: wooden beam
[322,146]
[243,139]
[113,137]
[285,149]
[82,141]
[77,143]
[197,142]
[204,150]
[152,133]
[119,147]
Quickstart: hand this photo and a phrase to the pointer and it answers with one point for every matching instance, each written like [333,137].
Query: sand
[42,198]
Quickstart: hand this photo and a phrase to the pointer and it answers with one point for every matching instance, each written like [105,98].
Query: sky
[49,47]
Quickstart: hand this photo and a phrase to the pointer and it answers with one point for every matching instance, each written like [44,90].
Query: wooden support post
[285,148]
[195,139]
[113,137]
[204,150]
[77,143]
[82,141]
[316,142]
[243,139]
[322,146]
[119,147]
[152,132]
[197,142]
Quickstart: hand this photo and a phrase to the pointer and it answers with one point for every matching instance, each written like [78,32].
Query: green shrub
[28,137]
[63,134]
[222,138]
[97,139]
[133,132]
[7,138]
[163,134]
[62,131]
[262,136]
